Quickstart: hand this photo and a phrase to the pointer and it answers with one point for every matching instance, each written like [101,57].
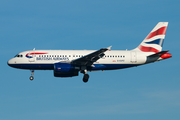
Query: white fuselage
[45,59]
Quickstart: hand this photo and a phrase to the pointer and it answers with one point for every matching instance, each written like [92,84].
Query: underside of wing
[89,59]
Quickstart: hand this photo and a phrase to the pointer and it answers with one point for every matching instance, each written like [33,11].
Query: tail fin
[154,41]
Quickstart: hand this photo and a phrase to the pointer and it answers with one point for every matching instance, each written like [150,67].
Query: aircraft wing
[89,59]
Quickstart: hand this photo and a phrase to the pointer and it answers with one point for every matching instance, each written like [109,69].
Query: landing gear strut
[32,73]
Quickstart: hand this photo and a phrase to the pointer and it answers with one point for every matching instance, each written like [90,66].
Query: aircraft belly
[111,66]
[34,66]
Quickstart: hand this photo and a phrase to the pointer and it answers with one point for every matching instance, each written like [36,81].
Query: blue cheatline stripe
[33,66]
[157,41]
[51,66]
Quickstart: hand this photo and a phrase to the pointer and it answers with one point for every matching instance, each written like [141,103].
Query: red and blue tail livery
[154,41]
[69,63]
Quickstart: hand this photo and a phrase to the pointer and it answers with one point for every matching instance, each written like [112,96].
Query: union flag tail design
[154,41]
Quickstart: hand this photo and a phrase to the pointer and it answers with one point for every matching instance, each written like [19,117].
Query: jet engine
[65,70]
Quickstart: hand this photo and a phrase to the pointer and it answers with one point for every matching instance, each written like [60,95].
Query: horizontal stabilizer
[158,54]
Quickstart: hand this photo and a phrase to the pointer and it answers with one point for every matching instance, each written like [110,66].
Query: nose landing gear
[31,77]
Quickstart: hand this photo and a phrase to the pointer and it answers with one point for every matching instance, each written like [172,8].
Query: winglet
[109,48]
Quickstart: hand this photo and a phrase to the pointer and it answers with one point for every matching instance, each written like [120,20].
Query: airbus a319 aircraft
[68,63]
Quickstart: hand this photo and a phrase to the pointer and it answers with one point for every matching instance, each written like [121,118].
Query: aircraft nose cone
[10,62]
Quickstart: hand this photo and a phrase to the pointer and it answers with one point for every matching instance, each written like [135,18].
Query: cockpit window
[18,55]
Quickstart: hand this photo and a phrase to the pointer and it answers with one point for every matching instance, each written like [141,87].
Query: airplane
[68,63]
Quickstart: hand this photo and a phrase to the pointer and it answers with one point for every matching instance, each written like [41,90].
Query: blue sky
[145,92]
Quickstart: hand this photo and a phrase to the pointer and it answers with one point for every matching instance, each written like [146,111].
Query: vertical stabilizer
[154,41]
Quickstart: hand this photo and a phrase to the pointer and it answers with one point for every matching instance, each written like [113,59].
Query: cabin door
[133,57]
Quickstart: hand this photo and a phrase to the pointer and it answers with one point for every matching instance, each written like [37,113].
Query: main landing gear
[86,76]
[31,77]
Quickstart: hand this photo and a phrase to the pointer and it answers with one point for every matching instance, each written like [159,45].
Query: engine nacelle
[65,70]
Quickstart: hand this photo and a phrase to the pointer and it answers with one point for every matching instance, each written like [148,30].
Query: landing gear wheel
[32,73]
[85,78]
[31,78]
